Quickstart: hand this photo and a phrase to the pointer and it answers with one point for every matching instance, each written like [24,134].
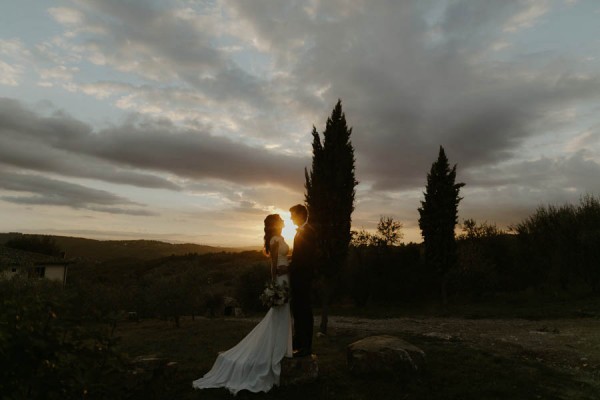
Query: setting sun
[289,230]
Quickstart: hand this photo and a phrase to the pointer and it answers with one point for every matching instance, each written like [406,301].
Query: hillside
[104,250]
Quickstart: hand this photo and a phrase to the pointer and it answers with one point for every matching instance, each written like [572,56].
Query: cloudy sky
[190,121]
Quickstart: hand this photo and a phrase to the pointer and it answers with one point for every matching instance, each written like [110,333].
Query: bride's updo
[273,226]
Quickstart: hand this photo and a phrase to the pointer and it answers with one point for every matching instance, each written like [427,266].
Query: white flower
[275,294]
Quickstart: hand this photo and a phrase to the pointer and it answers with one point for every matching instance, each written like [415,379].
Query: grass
[454,370]
[514,305]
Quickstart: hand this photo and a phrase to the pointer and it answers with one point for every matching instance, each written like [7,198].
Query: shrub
[560,243]
[250,285]
[46,352]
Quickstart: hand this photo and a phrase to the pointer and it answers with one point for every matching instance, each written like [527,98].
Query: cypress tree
[330,191]
[438,218]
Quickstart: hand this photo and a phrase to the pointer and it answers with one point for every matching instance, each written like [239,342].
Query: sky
[190,121]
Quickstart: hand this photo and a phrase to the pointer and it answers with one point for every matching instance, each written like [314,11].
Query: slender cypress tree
[438,218]
[330,190]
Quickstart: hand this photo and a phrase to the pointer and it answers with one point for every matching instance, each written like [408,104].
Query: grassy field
[527,305]
[455,369]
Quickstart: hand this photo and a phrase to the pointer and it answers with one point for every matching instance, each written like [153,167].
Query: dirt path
[571,343]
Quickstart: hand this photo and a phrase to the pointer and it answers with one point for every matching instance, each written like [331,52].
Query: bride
[254,364]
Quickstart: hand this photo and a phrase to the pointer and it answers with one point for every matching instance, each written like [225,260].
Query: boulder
[384,354]
[299,370]
[439,335]
[153,366]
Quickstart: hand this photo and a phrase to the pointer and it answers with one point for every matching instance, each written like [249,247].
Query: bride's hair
[272,228]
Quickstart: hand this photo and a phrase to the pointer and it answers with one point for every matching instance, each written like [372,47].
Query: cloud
[47,191]
[404,92]
[59,73]
[573,173]
[193,155]
[160,43]
[405,95]
[30,141]
[66,16]
[13,58]
[587,141]
[181,55]
[63,144]
[532,11]
[9,74]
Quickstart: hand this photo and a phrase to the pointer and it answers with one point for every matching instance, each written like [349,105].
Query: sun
[289,230]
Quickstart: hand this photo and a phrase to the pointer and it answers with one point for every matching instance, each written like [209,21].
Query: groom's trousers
[303,319]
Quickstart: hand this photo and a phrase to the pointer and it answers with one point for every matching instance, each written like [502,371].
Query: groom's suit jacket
[303,257]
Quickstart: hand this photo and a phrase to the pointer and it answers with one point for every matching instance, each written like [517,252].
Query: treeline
[41,244]
[171,287]
[561,245]
[105,250]
[556,248]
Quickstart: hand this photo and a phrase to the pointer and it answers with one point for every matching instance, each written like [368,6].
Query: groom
[301,274]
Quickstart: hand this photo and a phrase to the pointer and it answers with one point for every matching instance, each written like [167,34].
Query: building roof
[16,257]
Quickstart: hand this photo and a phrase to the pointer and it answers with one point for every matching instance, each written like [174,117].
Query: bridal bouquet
[275,294]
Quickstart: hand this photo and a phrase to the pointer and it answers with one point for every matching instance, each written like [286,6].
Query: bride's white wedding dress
[254,364]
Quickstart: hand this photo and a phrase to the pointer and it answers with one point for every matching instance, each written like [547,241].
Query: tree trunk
[444,291]
[326,301]
[324,319]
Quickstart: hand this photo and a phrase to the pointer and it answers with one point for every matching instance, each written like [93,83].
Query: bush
[46,352]
[560,243]
[387,274]
[250,285]
[36,244]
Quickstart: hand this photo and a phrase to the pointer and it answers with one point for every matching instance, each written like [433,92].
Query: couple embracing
[254,364]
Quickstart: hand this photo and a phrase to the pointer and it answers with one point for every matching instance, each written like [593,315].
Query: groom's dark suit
[301,274]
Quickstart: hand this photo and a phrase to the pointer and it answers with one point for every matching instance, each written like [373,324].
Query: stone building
[35,265]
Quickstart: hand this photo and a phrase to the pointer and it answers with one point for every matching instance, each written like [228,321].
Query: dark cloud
[195,155]
[34,142]
[141,144]
[46,191]
[410,84]
[574,173]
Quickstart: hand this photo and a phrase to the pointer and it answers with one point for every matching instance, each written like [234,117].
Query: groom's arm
[303,255]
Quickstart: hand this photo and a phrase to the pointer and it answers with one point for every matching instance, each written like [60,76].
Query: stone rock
[384,354]
[299,370]
[439,335]
[153,365]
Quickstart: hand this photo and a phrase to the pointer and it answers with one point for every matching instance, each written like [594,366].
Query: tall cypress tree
[438,218]
[330,191]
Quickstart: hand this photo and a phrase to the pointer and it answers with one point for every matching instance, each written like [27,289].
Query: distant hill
[104,250]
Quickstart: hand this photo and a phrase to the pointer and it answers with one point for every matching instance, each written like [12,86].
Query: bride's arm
[274,252]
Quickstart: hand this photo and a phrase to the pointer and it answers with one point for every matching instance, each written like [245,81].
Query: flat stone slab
[299,370]
[384,354]
[439,335]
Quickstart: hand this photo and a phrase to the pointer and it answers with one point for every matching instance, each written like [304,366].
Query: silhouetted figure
[301,275]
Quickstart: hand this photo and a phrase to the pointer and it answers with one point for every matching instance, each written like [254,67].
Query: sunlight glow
[289,230]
